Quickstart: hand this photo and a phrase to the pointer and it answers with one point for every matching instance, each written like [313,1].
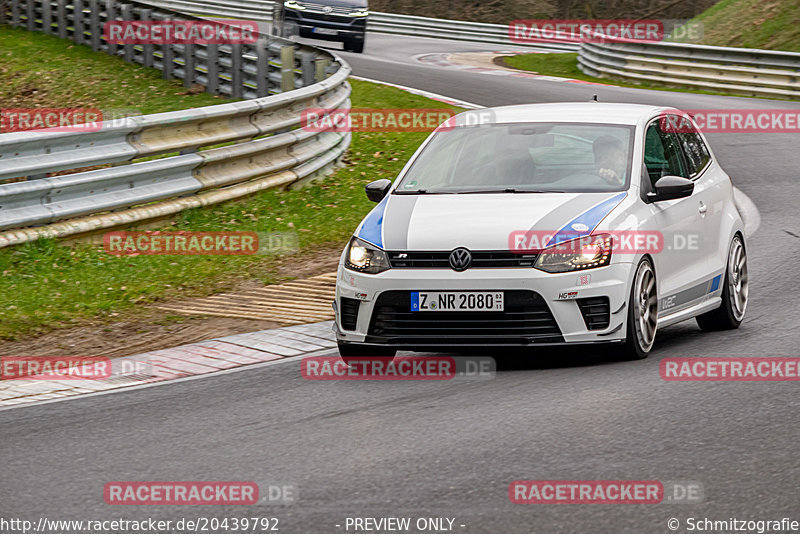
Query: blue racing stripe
[589,220]
[372,227]
[715,283]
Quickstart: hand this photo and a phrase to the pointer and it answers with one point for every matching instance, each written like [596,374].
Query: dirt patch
[147,328]
[125,338]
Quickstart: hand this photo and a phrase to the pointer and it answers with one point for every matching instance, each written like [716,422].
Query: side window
[697,155]
[662,153]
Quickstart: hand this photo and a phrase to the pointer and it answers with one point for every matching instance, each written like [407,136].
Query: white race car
[545,224]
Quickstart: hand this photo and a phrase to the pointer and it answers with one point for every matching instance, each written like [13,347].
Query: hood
[482,221]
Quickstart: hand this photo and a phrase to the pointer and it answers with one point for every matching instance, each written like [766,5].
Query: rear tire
[735,290]
[642,313]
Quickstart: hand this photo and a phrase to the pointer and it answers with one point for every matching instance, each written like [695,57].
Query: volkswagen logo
[460,259]
[327,10]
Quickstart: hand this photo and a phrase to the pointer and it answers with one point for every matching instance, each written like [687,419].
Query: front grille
[441,260]
[596,312]
[311,7]
[349,313]
[525,320]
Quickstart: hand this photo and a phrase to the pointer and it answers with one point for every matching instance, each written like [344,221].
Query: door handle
[703,208]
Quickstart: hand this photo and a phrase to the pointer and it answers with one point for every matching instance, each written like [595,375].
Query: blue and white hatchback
[547,224]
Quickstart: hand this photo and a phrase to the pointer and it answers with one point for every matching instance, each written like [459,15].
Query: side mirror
[378,189]
[670,188]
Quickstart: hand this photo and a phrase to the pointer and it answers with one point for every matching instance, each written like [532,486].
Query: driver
[609,159]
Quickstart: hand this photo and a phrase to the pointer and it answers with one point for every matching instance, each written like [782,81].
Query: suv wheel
[352,45]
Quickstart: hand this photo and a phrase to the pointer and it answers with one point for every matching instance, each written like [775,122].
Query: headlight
[576,255]
[365,258]
[292,4]
[361,12]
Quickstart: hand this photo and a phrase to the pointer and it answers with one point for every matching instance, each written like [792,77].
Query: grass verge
[43,71]
[46,285]
[771,25]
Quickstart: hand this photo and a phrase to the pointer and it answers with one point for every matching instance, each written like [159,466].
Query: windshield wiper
[510,190]
[422,192]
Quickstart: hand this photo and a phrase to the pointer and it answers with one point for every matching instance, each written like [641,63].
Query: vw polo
[545,224]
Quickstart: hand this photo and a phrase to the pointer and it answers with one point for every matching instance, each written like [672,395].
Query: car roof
[591,112]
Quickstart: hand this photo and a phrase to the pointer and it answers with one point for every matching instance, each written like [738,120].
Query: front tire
[735,291]
[642,312]
[352,45]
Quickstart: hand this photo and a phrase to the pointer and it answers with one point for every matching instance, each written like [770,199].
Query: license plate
[457,301]
[325,31]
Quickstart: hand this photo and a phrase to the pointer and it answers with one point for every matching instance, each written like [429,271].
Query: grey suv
[331,20]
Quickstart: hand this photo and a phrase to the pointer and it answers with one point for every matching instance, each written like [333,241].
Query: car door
[710,183]
[681,265]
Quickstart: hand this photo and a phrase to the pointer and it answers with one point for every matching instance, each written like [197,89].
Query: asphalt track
[449,449]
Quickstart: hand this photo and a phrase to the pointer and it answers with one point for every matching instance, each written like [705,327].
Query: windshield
[523,157]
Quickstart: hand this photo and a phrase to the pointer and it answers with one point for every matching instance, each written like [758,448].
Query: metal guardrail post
[237,83]
[15,15]
[287,68]
[189,65]
[95,29]
[262,67]
[127,48]
[30,15]
[147,48]
[111,14]
[77,21]
[277,19]
[321,68]
[307,68]
[47,15]
[167,62]
[212,68]
[61,18]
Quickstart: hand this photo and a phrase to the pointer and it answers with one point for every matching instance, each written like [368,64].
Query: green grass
[564,65]
[43,71]
[46,285]
[767,24]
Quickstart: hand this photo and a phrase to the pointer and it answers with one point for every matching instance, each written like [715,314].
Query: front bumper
[555,296]
[347,28]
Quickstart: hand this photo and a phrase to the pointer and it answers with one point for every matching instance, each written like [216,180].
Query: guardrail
[204,155]
[455,30]
[388,23]
[746,71]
